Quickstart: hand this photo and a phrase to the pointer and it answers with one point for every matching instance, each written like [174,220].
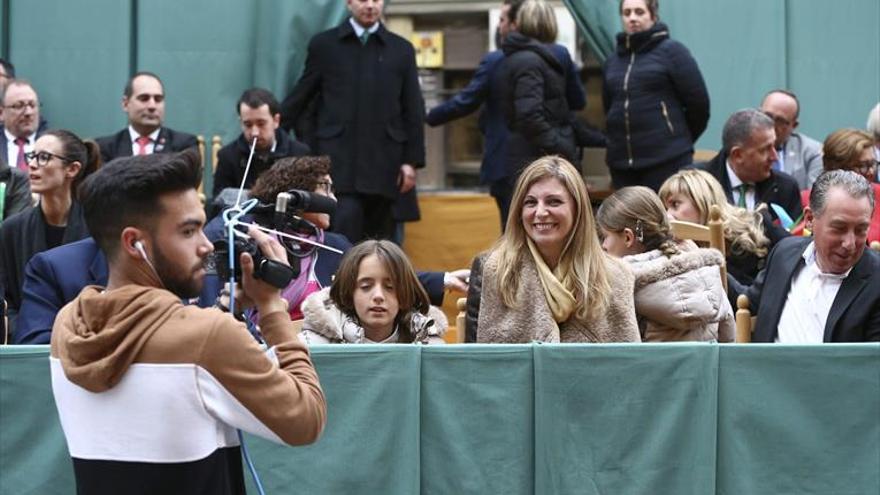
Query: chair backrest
[456,335]
[711,234]
[216,144]
[745,322]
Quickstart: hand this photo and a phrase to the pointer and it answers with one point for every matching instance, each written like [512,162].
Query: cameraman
[149,391]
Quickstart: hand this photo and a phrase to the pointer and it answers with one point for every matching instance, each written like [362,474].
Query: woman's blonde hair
[639,209]
[743,229]
[842,148]
[581,257]
[536,19]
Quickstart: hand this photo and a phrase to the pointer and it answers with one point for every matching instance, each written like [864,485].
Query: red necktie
[20,162]
[142,142]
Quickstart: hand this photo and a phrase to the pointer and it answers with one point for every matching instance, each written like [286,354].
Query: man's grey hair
[873,124]
[855,185]
[739,126]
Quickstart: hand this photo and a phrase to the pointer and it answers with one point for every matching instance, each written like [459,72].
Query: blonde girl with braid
[678,291]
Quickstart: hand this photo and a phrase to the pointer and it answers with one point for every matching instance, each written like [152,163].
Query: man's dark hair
[129,86]
[126,192]
[8,68]
[514,8]
[257,97]
[789,93]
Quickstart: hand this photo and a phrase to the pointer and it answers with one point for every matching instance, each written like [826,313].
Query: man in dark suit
[825,288]
[744,165]
[483,88]
[52,279]
[368,113]
[260,116]
[21,123]
[143,100]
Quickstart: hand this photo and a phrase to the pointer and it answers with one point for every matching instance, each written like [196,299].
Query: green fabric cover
[634,419]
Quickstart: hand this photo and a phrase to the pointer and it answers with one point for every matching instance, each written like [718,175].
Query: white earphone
[140,248]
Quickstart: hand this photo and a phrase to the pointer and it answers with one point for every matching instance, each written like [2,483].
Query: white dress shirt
[151,146]
[808,302]
[735,182]
[12,148]
[359,30]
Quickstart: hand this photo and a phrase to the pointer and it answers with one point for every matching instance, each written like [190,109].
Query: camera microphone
[310,202]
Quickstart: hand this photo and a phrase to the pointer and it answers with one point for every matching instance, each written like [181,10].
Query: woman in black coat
[656,102]
[532,85]
[58,163]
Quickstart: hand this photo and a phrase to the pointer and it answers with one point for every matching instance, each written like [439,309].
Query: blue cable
[229,222]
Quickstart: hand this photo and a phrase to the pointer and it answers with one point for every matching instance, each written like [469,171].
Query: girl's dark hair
[302,172]
[411,296]
[87,153]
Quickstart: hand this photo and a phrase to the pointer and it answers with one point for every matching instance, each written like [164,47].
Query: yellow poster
[429,49]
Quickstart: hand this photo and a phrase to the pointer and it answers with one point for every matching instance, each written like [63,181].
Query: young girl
[678,292]
[689,194]
[375,298]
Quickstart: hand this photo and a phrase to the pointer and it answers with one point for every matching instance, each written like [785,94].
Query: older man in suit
[143,100]
[825,288]
[744,166]
[361,85]
[21,123]
[798,155]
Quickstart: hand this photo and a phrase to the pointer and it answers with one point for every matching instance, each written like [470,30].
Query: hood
[516,42]
[642,41]
[100,333]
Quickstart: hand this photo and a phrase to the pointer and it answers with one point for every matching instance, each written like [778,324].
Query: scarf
[556,287]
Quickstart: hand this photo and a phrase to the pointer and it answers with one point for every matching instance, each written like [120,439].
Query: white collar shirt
[12,148]
[151,146]
[359,30]
[735,182]
[808,302]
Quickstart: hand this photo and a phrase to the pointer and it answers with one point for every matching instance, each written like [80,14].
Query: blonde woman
[678,292]
[690,193]
[547,278]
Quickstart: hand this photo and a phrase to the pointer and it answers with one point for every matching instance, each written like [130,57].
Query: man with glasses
[260,115]
[143,100]
[22,126]
[799,155]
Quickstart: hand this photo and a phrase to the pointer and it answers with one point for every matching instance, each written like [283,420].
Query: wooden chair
[455,335]
[201,140]
[745,322]
[712,234]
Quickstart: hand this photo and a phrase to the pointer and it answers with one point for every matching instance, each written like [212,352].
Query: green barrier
[622,419]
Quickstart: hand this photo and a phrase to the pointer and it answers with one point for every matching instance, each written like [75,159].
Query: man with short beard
[150,392]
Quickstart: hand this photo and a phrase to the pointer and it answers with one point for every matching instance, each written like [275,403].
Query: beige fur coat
[531,319]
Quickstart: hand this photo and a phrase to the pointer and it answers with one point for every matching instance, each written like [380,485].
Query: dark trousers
[363,216]
[502,191]
[649,177]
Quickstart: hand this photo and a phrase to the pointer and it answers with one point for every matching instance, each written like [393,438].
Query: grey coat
[802,159]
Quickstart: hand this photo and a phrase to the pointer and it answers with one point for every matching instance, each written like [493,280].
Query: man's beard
[180,282]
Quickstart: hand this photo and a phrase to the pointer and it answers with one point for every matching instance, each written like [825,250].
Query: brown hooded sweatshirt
[150,391]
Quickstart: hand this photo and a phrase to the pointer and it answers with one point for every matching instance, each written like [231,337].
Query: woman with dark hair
[375,298]
[656,102]
[679,295]
[58,163]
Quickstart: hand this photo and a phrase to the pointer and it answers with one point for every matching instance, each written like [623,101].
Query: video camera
[284,217]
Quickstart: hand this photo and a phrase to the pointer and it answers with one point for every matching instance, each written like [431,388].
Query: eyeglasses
[866,166]
[327,187]
[44,157]
[19,106]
